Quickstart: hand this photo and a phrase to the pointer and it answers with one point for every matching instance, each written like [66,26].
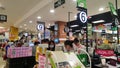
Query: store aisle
[2,63]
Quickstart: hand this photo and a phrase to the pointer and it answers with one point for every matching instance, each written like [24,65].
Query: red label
[105,52]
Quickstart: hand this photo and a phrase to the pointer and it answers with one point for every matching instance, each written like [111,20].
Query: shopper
[39,50]
[7,46]
[68,46]
[36,43]
[51,46]
[77,45]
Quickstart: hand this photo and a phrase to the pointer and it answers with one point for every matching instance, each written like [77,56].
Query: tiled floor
[2,63]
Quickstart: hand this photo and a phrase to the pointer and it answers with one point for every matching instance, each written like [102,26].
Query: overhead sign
[13,33]
[59,3]
[112,8]
[66,29]
[83,17]
[40,27]
[3,18]
[81,3]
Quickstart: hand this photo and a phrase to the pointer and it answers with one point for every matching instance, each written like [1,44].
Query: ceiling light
[99,21]
[25,28]
[30,21]
[39,17]
[52,11]
[25,25]
[74,25]
[1,27]
[20,26]
[75,16]
[0,5]
[101,9]
[75,0]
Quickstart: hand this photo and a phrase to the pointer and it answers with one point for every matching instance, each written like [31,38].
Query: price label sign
[83,17]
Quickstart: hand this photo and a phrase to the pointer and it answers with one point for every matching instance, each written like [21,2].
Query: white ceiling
[15,9]
[20,12]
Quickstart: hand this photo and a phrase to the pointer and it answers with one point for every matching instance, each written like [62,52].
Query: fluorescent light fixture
[52,11]
[30,21]
[119,26]
[25,24]
[0,5]
[74,26]
[99,21]
[20,26]
[101,9]
[83,27]
[25,28]
[1,27]
[107,24]
[39,17]
[77,30]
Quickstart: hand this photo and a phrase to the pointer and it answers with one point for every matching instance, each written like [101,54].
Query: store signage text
[59,3]
[83,17]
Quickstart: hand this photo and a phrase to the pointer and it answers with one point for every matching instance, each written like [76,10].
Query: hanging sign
[3,18]
[83,17]
[13,33]
[40,27]
[66,29]
[112,8]
[59,3]
[81,3]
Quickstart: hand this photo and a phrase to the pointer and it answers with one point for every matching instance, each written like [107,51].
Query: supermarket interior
[59,34]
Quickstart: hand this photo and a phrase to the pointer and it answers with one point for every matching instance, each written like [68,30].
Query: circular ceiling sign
[66,29]
[40,27]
